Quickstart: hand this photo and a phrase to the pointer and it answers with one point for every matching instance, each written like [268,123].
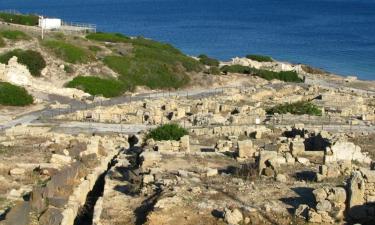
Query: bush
[98,86]
[167,132]
[214,70]
[2,42]
[29,20]
[12,95]
[108,37]
[208,61]
[297,108]
[33,60]
[68,52]
[260,58]
[287,76]
[68,69]
[236,69]
[14,35]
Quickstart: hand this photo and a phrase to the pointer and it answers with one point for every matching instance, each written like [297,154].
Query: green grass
[98,86]
[167,132]
[108,37]
[68,52]
[152,64]
[260,58]
[287,76]
[33,60]
[14,35]
[29,20]
[297,108]
[11,95]
[204,59]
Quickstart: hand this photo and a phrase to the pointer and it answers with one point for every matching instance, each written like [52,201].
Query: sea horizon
[336,36]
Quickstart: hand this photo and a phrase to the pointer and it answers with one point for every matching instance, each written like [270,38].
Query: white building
[50,23]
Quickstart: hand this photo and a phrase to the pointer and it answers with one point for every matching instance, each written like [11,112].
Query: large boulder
[245,149]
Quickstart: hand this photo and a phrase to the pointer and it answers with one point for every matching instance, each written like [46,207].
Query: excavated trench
[86,213]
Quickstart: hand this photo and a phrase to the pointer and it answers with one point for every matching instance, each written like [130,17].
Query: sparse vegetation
[95,48]
[33,60]
[14,35]
[11,95]
[98,86]
[68,52]
[297,108]
[28,20]
[204,59]
[260,58]
[167,132]
[287,76]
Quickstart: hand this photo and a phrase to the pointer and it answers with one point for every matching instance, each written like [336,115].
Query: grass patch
[68,52]
[297,108]
[167,132]
[153,64]
[33,60]
[11,95]
[28,20]
[108,37]
[204,59]
[14,35]
[98,86]
[260,58]
[287,76]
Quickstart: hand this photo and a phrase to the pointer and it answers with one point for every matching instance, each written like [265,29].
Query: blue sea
[335,35]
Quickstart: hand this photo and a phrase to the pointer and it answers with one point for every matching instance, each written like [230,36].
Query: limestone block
[245,149]
[60,159]
[356,190]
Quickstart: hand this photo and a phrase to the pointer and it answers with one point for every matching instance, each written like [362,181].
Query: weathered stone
[264,158]
[337,195]
[269,172]
[17,172]
[60,159]
[148,178]
[297,147]
[233,217]
[52,216]
[211,172]
[303,161]
[281,178]
[302,211]
[150,158]
[314,217]
[320,194]
[356,190]
[324,205]
[245,149]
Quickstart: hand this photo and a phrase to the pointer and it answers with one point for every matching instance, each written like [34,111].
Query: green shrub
[98,86]
[208,61]
[14,35]
[68,52]
[213,70]
[167,132]
[33,60]
[236,69]
[68,69]
[298,108]
[2,42]
[108,37]
[12,95]
[260,58]
[29,20]
[287,76]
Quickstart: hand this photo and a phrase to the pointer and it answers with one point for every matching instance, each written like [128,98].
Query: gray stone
[233,217]
[324,206]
